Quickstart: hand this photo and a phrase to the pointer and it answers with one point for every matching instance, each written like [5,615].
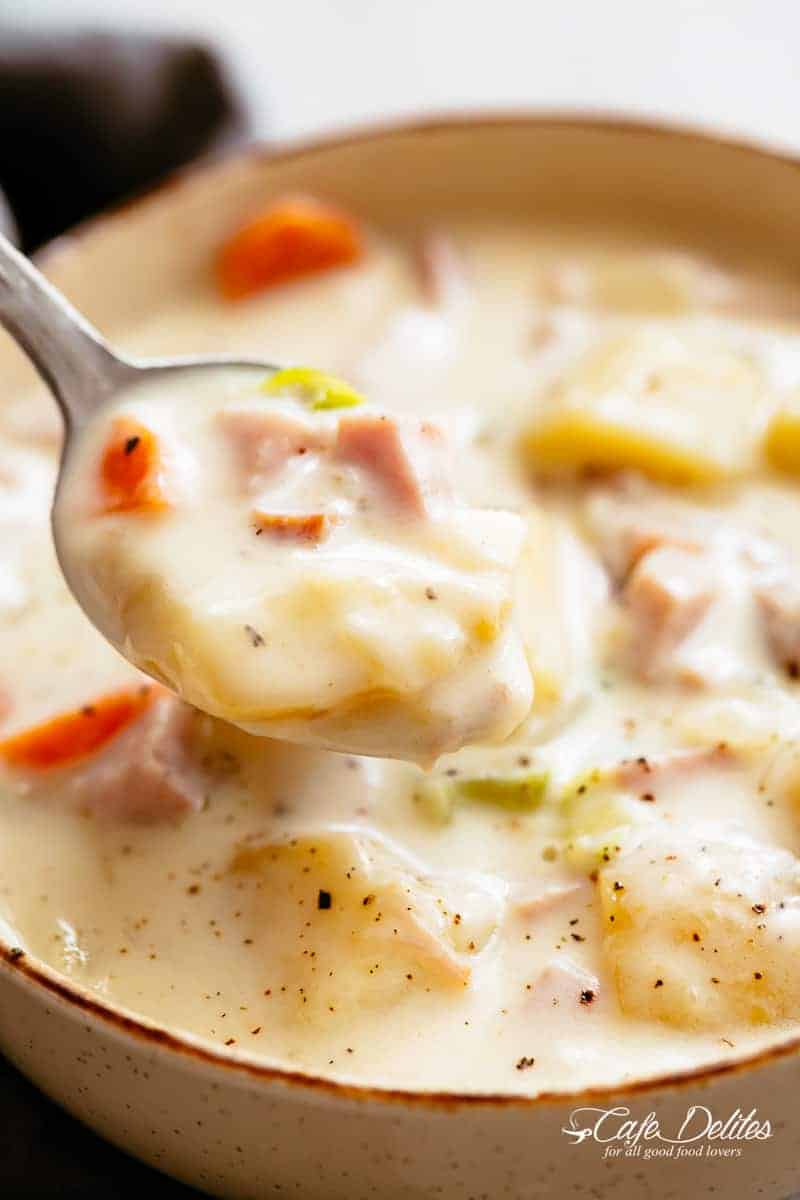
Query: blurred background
[297,69]
[317,64]
[99,98]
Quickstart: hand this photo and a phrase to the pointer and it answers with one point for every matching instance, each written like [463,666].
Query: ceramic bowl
[219,1119]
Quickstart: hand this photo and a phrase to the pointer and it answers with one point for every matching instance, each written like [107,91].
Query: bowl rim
[124,1022]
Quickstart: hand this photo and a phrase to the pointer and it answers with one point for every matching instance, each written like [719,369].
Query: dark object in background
[86,121]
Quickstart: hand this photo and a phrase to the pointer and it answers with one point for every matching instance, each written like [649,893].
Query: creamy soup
[288,557]
[611,892]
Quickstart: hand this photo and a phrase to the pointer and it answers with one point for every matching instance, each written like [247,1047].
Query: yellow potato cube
[659,282]
[703,934]
[782,443]
[679,410]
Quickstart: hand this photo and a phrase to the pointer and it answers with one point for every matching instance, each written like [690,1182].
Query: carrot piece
[298,527]
[130,469]
[295,236]
[71,736]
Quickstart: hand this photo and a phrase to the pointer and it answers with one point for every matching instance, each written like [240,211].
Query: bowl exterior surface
[231,1128]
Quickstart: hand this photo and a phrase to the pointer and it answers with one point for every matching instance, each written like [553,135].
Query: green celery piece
[519,791]
[321,391]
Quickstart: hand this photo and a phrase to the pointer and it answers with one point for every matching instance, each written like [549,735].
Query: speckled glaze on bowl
[219,1119]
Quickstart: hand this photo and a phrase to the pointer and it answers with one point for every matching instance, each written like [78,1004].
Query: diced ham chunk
[645,771]
[529,907]
[264,441]
[407,459]
[293,527]
[667,595]
[779,606]
[144,774]
[440,270]
[147,774]
[563,983]
[627,525]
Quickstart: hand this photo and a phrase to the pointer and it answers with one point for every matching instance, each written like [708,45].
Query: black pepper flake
[430,593]
[588,996]
[759,908]
[15,952]
[131,444]
[757,975]
[256,639]
[323,899]
[658,983]
[618,887]
[524,1063]
[577,937]
[648,797]
[88,710]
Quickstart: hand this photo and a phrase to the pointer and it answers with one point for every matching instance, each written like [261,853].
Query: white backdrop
[310,65]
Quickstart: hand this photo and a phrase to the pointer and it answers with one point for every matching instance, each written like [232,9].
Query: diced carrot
[295,236]
[130,469]
[300,527]
[75,735]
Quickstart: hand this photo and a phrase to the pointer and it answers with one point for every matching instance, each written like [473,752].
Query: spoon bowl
[74,360]
[81,370]
[362,535]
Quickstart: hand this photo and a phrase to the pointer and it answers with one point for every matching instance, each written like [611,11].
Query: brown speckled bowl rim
[187,1045]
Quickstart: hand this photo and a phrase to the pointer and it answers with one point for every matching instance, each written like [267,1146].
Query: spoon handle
[69,354]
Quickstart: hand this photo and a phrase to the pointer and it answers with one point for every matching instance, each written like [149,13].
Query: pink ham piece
[779,606]
[408,459]
[310,528]
[645,771]
[626,523]
[667,595]
[264,441]
[529,907]
[440,270]
[563,983]
[145,774]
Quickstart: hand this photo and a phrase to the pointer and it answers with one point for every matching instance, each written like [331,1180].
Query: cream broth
[611,893]
[289,558]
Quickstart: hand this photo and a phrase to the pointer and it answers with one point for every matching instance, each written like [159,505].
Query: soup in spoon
[292,559]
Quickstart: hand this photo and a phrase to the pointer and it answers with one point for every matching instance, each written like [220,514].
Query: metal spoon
[74,360]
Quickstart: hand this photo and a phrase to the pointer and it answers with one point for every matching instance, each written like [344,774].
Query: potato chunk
[658,282]
[348,922]
[704,934]
[782,443]
[679,410]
